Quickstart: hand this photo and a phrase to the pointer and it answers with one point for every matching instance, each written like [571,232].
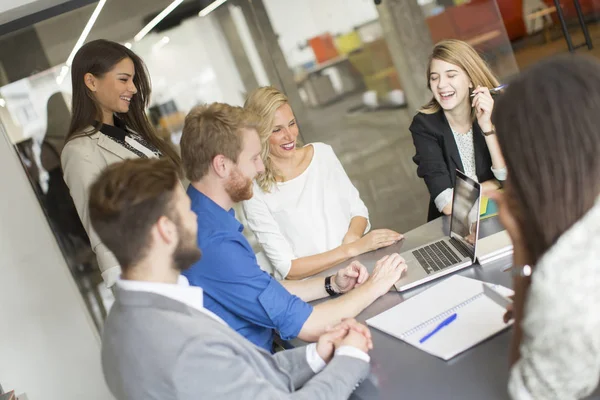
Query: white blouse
[466,150]
[307,215]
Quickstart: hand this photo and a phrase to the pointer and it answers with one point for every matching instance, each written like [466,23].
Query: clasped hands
[349,332]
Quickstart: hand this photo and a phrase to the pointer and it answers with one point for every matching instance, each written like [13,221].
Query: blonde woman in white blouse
[305,211]
[547,125]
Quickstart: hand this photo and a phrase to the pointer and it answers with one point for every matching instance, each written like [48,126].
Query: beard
[238,187]
[187,252]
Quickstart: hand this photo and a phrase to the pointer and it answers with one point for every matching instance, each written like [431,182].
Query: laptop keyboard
[460,247]
[438,256]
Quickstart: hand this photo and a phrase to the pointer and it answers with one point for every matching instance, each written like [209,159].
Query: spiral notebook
[477,317]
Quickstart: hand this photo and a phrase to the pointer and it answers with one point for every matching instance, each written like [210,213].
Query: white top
[193,296]
[466,150]
[560,349]
[307,215]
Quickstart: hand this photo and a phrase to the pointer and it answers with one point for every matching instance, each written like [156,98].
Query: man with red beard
[221,154]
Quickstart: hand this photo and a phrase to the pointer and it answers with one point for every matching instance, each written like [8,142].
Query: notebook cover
[478,317]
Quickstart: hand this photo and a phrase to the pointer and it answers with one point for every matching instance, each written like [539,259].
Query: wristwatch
[328,287]
[521,271]
[490,133]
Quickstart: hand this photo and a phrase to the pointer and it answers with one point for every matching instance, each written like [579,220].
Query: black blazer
[437,155]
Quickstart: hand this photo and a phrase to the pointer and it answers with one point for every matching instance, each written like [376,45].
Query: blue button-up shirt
[235,288]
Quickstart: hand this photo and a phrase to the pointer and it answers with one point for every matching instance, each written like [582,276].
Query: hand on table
[374,240]
[387,271]
[350,277]
[349,332]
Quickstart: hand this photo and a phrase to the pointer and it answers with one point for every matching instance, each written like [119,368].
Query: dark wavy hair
[97,58]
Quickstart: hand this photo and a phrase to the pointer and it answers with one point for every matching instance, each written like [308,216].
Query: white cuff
[499,173]
[353,352]
[313,358]
[443,199]
[111,275]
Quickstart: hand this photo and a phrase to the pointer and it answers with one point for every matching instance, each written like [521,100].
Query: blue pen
[442,324]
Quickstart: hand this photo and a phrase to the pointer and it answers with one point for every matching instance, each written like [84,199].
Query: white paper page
[474,323]
[477,318]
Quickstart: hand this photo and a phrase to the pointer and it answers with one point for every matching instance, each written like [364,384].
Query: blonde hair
[461,54]
[263,102]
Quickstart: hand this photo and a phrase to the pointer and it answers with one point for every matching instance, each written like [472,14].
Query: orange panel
[323,47]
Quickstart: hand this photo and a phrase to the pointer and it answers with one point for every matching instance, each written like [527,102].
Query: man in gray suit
[159,342]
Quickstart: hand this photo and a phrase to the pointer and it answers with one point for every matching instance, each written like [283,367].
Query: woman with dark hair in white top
[547,125]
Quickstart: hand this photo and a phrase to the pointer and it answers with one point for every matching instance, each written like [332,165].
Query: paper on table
[478,317]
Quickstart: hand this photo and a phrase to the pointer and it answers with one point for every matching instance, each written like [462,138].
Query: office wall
[296,21]
[195,66]
[49,348]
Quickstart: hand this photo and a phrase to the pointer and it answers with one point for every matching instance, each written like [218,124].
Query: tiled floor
[376,150]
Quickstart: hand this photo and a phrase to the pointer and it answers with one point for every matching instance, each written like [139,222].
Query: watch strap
[490,133]
[328,287]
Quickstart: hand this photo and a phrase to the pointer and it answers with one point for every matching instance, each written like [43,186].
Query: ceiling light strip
[86,31]
[210,8]
[145,30]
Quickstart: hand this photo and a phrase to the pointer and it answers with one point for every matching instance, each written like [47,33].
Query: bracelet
[490,133]
[328,287]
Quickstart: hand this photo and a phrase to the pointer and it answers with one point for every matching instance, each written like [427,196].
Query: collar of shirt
[118,131]
[202,204]
[182,292]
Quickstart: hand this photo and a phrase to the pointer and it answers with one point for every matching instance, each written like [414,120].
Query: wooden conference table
[400,371]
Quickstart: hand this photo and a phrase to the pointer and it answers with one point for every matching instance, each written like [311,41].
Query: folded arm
[216,371]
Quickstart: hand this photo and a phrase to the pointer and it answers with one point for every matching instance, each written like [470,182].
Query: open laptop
[452,253]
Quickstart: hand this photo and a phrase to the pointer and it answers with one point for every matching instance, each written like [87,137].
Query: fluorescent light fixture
[210,8]
[84,34]
[86,31]
[128,45]
[156,20]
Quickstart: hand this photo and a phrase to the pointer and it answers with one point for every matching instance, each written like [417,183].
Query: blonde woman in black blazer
[454,130]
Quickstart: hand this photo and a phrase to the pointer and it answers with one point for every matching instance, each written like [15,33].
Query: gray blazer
[82,159]
[154,347]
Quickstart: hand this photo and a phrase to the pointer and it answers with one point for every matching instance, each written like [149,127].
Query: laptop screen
[464,225]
